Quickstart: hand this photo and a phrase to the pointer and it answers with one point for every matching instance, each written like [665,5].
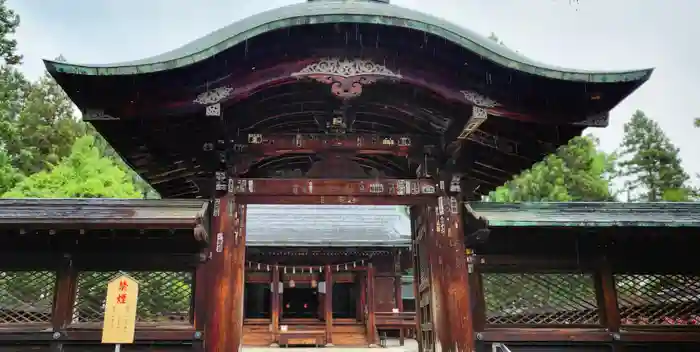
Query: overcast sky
[594,34]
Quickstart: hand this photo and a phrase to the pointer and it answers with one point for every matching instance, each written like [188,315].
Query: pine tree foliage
[578,171]
[651,163]
[9,22]
[45,128]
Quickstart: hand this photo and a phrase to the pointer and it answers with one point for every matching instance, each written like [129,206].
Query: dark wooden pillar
[328,305]
[451,285]
[63,298]
[200,304]
[275,304]
[371,322]
[398,297]
[226,271]
[606,297]
[416,274]
[476,286]
[362,315]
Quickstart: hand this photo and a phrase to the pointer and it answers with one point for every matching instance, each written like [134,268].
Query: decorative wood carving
[481,106]
[479,100]
[346,76]
[598,120]
[214,96]
[97,115]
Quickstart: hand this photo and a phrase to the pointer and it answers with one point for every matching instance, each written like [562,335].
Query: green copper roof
[316,12]
[586,214]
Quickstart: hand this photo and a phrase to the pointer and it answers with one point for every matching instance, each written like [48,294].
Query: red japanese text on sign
[123,285]
[121,298]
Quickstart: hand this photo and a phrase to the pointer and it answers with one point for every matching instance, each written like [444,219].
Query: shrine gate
[333,102]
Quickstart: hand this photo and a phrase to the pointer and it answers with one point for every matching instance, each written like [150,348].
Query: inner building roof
[379,69]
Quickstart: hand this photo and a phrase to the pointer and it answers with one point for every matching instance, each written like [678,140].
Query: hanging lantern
[291,283]
[314,283]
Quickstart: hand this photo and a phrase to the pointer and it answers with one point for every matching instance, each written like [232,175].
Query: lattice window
[163,296]
[660,299]
[26,296]
[540,299]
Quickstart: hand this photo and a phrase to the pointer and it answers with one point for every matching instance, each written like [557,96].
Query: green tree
[9,21]
[13,89]
[85,173]
[9,176]
[578,171]
[652,163]
[44,129]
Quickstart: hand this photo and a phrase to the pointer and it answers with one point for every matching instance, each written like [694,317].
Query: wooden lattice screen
[26,296]
[540,299]
[658,299]
[164,296]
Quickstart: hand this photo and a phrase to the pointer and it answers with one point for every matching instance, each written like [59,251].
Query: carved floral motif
[479,100]
[214,96]
[346,76]
[213,110]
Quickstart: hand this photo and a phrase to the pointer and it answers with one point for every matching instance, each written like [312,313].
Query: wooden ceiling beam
[311,143]
[333,187]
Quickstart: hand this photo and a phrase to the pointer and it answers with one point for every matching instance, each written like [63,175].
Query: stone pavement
[392,346]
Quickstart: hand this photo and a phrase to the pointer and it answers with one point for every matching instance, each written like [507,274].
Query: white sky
[594,34]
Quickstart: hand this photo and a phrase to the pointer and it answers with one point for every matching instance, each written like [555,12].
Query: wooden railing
[391,320]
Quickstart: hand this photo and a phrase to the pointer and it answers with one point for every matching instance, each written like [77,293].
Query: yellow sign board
[120,310]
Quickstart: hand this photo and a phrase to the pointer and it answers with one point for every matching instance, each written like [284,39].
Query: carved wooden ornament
[346,76]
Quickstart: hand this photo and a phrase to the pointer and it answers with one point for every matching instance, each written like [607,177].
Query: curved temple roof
[336,11]
[327,225]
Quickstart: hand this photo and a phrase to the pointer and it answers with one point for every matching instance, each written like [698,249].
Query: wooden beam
[606,297]
[275,304]
[413,213]
[328,303]
[506,263]
[362,310]
[398,297]
[371,321]
[226,268]
[335,200]
[262,145]
[63,298]
[454,321]
[545,335]
[200,307]
[333,187]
